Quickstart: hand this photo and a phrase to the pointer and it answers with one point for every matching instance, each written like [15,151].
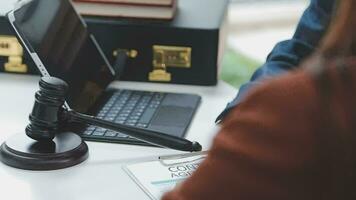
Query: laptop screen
[54,30]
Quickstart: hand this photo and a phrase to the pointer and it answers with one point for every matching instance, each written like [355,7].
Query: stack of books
[143,9]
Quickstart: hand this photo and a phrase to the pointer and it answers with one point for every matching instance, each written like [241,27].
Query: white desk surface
[101,176]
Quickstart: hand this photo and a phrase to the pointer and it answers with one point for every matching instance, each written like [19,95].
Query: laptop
[58,41]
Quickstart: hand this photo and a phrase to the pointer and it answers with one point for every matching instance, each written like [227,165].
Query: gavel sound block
[44,146]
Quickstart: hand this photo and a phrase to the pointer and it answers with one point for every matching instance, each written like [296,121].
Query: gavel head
[46,113]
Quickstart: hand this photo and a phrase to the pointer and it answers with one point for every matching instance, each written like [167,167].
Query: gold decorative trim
[131,53]
[172,56]
[169,56]
[160,75]
[11,48]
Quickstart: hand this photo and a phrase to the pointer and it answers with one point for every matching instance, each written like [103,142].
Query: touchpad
[172,116]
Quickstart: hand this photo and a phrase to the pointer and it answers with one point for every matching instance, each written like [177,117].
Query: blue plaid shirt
[288,54]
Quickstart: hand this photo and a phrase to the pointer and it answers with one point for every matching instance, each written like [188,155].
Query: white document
[6,6]
[160,176]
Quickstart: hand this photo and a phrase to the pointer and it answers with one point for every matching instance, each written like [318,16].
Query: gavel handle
[149,136]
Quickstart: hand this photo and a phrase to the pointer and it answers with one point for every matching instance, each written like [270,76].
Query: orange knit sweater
[272,146]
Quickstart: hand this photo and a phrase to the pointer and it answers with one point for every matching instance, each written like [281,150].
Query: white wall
[256,26]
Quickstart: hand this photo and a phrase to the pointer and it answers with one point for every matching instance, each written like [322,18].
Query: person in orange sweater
[294,137]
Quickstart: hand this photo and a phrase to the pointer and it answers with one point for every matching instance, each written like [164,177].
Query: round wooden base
[67,149]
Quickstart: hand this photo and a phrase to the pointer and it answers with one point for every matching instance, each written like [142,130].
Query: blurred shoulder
[275,124]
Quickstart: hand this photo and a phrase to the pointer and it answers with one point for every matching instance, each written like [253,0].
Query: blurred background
[255,27]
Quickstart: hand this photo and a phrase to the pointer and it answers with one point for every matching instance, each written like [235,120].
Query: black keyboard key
[101,115]
[120,118]
[126,111]
[131,104]
[130,124]
[105,109]
[109,118]
[114,113]
[101,130]
[121,135]
[153,106]
[91,128]
[102,112]
[134,118]
[136,114]
[120,102]
[88,132]
[139,109]
[158,96]
[120,121]
[110,134]
[98,133]
[141,106]
[142,125]
[110,115]
[116,108]
[155,101]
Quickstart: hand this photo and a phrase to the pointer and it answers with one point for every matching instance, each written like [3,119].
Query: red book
[136,2]
[147,9]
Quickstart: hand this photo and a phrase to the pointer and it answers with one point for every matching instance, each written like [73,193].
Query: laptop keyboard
[133,108]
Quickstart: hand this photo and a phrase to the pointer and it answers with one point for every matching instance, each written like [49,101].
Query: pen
[183,155]
[182,158]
